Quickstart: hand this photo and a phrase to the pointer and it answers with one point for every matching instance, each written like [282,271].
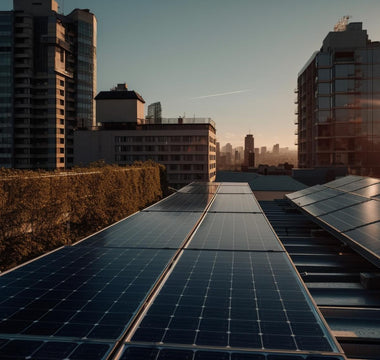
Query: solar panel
[79,292]
[363,182]
[234,189]
[235,231]
[335,203]
[369,191]
[353,216]
[343,181]
[182,202]
[200,188]
[237,300]
[52,350]
[367,236]
[304,192]
[147,229]
[317,196]
[245,203]
[162,353]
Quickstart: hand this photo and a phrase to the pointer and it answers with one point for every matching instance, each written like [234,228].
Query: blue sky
[247,52]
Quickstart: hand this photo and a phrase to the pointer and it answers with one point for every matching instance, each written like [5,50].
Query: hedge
[43,210]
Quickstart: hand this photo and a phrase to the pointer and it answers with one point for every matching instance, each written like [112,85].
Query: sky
[234,61]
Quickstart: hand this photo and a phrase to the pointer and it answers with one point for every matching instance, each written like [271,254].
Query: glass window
[324,75]
[323,102]
[347,85]
[344,70]
[324,88]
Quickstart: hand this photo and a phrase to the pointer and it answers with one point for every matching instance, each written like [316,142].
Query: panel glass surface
[235,231]
[200,188]
[162,353]
[317,196]
[52,350]
[306,191]
[356,185]
[236,299]
[234,189]
[245,203]
[367,236]
[79,292]
[353,216]
[334,204]
[147,229]
[182,202]
[343,181]
[369,191]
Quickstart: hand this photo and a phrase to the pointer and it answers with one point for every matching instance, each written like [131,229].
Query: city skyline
[234,62]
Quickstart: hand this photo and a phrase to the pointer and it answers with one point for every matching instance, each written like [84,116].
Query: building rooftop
[207,273]
[119,95]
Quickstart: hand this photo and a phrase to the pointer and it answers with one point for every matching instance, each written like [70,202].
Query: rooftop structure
[186,146]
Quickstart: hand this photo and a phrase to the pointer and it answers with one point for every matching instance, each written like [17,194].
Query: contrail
[222,94]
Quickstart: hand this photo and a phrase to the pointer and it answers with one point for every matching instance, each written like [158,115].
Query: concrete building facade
[187,147]
[48,79]
[338,103]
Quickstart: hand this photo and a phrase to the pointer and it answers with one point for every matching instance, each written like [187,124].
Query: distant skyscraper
[263,150]
[338,112]
[155,112]
[276,149]
[47,83]
[249,147]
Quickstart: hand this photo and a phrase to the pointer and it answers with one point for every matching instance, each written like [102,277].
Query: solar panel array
[348,206]
[199,275]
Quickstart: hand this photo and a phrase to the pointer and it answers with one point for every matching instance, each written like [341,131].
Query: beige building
[187,147]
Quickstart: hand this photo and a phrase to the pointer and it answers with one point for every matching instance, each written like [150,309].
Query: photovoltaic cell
[369,191]
[245,203]
[237,300]
[317,196]
[162,353]
[367,236]
[344,181]
[79,292]
[200,188]
[353,216]
[147,229]
[304,192]
[234,189]
[356,185]
[182,202]
[335,203]
[12,349]
[235,231]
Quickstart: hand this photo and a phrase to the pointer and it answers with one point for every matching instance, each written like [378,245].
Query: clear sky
[235,61]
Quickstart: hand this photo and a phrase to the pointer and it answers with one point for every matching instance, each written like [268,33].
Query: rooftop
[207,273]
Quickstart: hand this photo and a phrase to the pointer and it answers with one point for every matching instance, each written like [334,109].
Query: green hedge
[41,211]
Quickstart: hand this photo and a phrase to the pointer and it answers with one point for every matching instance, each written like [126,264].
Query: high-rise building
[338,111]
[276,149]
[249,147]
[47,83]
[155,112]
[186,147]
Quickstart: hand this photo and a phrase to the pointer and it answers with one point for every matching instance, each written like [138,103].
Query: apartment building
[338,103]
[187,147]
[47,83]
